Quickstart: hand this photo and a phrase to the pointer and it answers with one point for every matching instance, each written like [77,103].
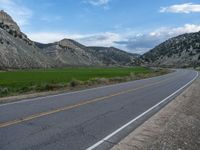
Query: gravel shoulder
[175,127]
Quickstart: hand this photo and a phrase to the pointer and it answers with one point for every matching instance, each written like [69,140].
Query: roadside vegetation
[30,81]
[197,68]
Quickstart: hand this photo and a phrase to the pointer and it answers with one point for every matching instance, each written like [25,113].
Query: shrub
[4,91]
[133,76]
[101,80]
[119,79]
[24,89]
[47,87]
[74,83]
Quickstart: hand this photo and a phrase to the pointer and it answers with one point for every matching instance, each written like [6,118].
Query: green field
[15,82]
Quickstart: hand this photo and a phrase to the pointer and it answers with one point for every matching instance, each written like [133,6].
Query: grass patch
[26,81]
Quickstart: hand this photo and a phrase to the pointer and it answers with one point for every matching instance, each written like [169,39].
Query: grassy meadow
[26,81]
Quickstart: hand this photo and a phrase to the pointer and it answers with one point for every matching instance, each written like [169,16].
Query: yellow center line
[31,117]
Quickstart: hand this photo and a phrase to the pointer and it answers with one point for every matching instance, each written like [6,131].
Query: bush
[101,80]
[133,76]
[118,79]
[4,91]
[74,83]
[24,89]
[47,87]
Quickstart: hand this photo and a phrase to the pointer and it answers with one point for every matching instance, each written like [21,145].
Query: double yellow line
[42,114]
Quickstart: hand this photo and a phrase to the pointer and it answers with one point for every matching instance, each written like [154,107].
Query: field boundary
[41,95]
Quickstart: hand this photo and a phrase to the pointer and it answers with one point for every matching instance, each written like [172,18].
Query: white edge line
[62,94]
[141,115]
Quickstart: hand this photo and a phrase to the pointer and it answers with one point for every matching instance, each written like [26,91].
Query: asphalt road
[89,119]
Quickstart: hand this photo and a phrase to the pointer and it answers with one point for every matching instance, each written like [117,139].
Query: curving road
[89,119]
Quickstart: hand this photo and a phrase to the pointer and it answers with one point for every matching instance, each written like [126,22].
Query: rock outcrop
[16,50]
[8,22]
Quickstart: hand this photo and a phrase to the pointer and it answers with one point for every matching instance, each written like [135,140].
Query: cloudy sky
[132,25]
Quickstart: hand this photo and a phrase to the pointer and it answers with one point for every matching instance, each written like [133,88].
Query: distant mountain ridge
[17,51]
[114,56]
[180,51]
[69,53]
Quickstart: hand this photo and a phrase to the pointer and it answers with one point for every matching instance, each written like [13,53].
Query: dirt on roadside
[175,127]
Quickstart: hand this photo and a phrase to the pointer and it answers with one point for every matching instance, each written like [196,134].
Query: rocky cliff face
[180,51]
[8,22]
[10,26]
[16,50]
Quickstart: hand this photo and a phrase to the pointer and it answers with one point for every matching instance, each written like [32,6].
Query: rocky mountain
[180,51]
[69,53]
[16,50]
[114,56]
[8,22]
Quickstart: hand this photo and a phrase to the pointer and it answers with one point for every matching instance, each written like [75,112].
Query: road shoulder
[176,126]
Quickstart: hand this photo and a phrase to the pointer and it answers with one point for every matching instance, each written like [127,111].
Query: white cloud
[170,32]
[182,8]
[48,18]
[98,2]
[19,13]
[49,37]
[130,41]
[98,39]
[141,43]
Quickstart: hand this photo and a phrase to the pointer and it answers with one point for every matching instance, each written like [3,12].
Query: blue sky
[134,26]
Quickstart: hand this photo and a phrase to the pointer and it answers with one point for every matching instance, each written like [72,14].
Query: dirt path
[175,127]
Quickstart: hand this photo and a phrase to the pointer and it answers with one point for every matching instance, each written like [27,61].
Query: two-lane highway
[89,119]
